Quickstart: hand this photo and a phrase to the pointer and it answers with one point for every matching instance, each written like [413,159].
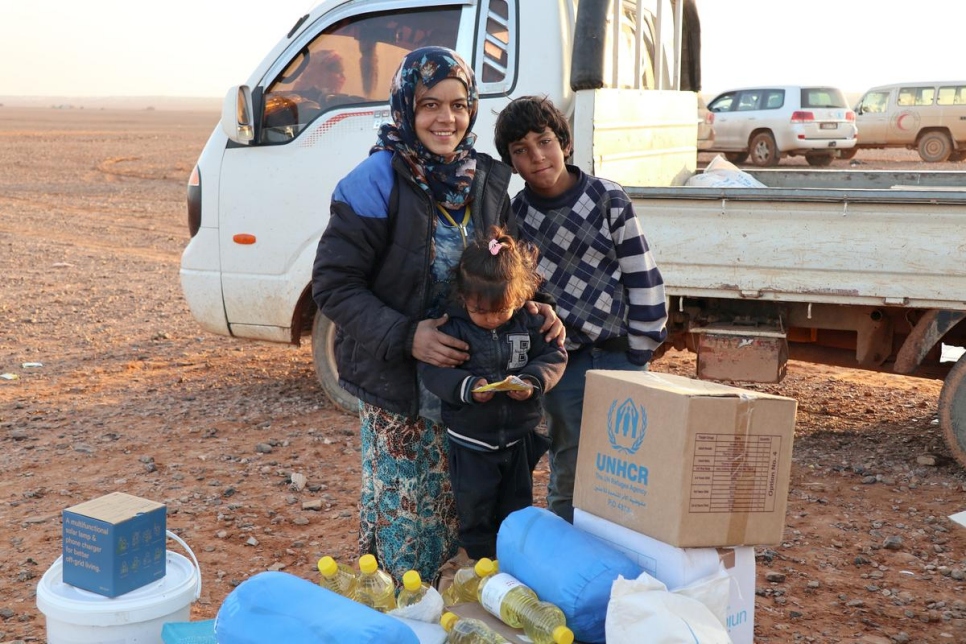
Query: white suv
[767,123]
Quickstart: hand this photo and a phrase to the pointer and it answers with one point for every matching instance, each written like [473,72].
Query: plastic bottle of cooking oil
[466,630]
[519,607]
[339,578]
[375,587]
[413,590]
[466,581]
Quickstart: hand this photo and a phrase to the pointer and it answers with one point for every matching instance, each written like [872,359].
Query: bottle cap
[447,621]
[327,566]
[412,581]
[484,567]
[367,564]
[563,635]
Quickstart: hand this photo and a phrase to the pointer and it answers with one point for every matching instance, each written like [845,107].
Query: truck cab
[258,199]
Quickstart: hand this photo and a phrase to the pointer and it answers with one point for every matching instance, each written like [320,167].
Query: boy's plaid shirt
[597,264]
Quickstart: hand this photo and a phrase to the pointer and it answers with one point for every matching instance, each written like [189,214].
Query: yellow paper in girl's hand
[510,383]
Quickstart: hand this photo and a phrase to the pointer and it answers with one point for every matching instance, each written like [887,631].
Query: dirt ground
[109,385]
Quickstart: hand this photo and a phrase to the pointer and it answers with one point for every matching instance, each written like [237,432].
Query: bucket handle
[184,545]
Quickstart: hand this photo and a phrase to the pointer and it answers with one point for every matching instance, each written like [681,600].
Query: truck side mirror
[236,115]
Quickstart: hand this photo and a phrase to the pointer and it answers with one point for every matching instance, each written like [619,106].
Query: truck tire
[952,410]
[848,154]
[764,151]
[323,355]
[736,157]
[935,147]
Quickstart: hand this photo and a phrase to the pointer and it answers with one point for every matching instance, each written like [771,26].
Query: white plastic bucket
[77,616]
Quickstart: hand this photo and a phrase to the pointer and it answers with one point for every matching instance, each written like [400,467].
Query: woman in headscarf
[399,222]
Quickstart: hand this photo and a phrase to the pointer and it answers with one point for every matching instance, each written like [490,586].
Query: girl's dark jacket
[372,271]
[516,348]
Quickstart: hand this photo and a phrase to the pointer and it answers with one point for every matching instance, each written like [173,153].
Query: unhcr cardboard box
[114,544]
[680,567]
[691,463]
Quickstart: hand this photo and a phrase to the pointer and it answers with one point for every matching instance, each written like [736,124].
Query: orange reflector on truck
[243,238]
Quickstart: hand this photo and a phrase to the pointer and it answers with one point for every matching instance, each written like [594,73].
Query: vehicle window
[722,103]
[951,95]
[495,50]
[774,99]
[906,96]
[822,97]
[749,100]
[923,95]
[874,103]
[351,61]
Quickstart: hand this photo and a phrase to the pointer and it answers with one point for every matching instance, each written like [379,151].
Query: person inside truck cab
[323,78]
[398,225]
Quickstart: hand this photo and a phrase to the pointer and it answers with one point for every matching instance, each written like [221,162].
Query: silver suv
[768,123]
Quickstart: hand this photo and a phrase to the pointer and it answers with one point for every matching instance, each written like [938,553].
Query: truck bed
[822,236]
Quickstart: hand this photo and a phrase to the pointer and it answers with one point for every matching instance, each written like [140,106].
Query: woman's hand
[552,325]
[435,347]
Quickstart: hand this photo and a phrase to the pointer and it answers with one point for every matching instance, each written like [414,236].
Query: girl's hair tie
[495,247]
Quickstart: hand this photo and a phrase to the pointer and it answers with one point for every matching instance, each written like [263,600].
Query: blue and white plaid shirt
[597,264]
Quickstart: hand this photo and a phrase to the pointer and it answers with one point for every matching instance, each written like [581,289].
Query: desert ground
[110,385]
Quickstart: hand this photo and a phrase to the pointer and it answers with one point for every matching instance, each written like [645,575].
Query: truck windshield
[349,62]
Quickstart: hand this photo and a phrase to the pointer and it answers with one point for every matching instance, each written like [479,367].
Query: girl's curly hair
[498,271]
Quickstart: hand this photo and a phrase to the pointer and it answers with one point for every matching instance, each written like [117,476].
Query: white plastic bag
[643,610]
[721,173]
[714,591]
[428,609]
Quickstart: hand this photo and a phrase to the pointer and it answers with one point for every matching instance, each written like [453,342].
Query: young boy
[596,263]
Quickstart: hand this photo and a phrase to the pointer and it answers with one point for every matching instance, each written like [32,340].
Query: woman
[399,222]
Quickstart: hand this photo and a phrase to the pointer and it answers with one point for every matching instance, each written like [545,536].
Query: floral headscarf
[446,181]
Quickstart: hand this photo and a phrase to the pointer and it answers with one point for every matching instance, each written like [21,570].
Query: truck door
[319,107]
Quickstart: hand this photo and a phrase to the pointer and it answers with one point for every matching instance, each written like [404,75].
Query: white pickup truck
[854,268]
[258,199]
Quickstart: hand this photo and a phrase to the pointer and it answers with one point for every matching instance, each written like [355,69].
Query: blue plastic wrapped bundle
[564,566]
[279,607]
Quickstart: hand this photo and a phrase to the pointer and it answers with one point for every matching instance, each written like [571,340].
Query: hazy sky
[201,47]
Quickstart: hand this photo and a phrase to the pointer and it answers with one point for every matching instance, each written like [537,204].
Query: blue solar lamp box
[114,544]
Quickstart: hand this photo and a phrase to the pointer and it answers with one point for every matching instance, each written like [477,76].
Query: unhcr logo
[626,426]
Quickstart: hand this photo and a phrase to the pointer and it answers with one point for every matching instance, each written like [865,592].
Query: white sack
[643,610]
[721,173]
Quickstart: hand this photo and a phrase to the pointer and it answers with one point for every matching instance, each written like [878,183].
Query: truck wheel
[819,160]
[952,410]
[848,154]
[935,147]
[764,151]
[323,355]
[736,157]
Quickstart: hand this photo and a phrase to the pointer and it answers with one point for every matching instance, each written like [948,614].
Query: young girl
[398,224]
[491,403]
